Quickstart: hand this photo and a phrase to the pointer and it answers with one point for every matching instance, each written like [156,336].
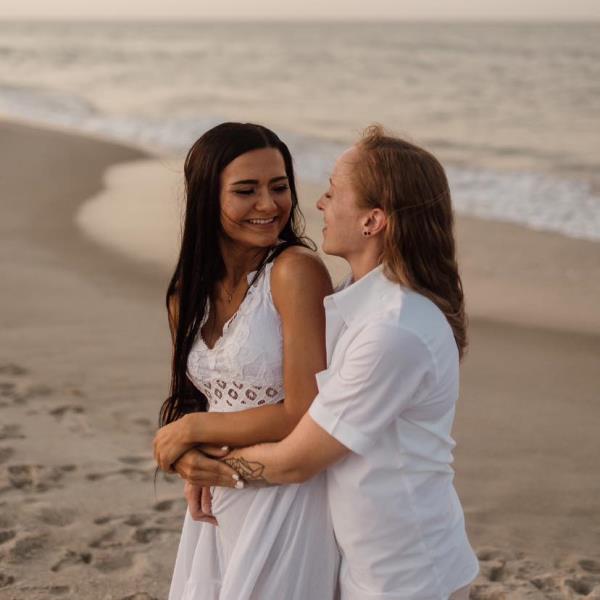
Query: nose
[265,201]
[320,204]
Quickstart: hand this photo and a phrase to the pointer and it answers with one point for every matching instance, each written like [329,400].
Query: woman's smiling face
[342,216]
[255,198]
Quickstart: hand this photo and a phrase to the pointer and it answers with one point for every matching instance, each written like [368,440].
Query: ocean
[511,109]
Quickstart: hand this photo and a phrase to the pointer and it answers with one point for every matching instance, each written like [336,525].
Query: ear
[375,221]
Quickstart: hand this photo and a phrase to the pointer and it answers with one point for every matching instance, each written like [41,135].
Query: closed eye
[281,188]
[244,192]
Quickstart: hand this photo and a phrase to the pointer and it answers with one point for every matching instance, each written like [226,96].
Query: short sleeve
[385,370]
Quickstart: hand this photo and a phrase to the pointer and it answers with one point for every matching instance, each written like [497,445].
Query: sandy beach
[88,235]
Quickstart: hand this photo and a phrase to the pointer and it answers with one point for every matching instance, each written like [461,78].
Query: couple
[313,428]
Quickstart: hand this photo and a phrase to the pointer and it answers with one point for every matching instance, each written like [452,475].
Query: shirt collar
[360,297]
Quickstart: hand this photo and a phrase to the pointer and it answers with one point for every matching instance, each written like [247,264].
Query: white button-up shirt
[389,395]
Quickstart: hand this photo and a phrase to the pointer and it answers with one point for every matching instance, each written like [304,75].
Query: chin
[264,241]
[329,249]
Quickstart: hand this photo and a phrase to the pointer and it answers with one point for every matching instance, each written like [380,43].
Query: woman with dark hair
[245,307]
[383,415]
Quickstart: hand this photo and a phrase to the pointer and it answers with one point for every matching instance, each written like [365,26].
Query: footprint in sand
[18,389]
[29,547]
[590,565]
[146,424]
[135,520]
[6,580]
[489,553]
[72,416]
[37,478]
[547,584]
[139,596]
[32,392]
[27,591]
[123,538]
[11,432]
[492,570]
[110,561]
[131,520]
[57,517]
[12,369]
[7,387]
[583,585]
[6,391]
[169,512]
[60,411]
[130,530]
[134,474]
[6,452]
[6,519]
[165,505]
[498,591]
[58,590]
[145,535]
[72,558]
[136,460]
[73,390]
[6,535]
[512,575]
[120,537]
[106,519]
[112,538]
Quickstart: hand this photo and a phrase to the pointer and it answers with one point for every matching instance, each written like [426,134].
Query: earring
[366,233]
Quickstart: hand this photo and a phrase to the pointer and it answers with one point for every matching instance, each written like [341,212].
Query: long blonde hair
[410,186]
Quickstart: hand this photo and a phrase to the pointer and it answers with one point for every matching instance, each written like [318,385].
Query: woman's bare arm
[308,450]
[299,282]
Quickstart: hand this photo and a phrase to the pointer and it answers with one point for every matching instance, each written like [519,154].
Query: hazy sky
[307,9]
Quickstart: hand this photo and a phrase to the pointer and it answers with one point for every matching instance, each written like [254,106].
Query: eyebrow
[255,181]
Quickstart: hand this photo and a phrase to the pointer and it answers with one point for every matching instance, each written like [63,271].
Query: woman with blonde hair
[381,421]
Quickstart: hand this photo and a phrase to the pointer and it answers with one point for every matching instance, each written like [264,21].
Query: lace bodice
[244,368]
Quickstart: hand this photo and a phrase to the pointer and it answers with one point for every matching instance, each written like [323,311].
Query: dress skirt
[271,543]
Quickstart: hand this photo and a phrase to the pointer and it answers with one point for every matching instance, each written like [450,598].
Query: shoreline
[85,365]
[493,255]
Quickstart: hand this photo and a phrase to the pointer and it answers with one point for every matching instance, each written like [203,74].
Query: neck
[239,260]
[364,262]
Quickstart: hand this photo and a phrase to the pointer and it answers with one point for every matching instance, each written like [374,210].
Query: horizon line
[297,20]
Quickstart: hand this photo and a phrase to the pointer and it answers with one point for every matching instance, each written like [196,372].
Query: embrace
[313,428]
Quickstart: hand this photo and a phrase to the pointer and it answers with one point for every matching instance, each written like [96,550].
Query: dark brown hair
[410,186]
[200,264]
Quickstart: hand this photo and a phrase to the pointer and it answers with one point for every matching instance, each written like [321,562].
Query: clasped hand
[201,466]
[197,463]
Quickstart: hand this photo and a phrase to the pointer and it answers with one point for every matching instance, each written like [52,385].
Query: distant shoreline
[595,21]
[554,280]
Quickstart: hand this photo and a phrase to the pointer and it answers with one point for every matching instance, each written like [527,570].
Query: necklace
[229,294]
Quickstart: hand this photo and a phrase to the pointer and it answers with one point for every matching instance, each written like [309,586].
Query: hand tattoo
[250,472]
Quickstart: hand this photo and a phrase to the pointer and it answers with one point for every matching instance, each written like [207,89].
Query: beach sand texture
[84,366]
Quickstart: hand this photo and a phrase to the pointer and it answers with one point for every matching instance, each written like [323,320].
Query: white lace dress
[273,543]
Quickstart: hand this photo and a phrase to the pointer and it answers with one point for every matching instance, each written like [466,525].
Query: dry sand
[84,365]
